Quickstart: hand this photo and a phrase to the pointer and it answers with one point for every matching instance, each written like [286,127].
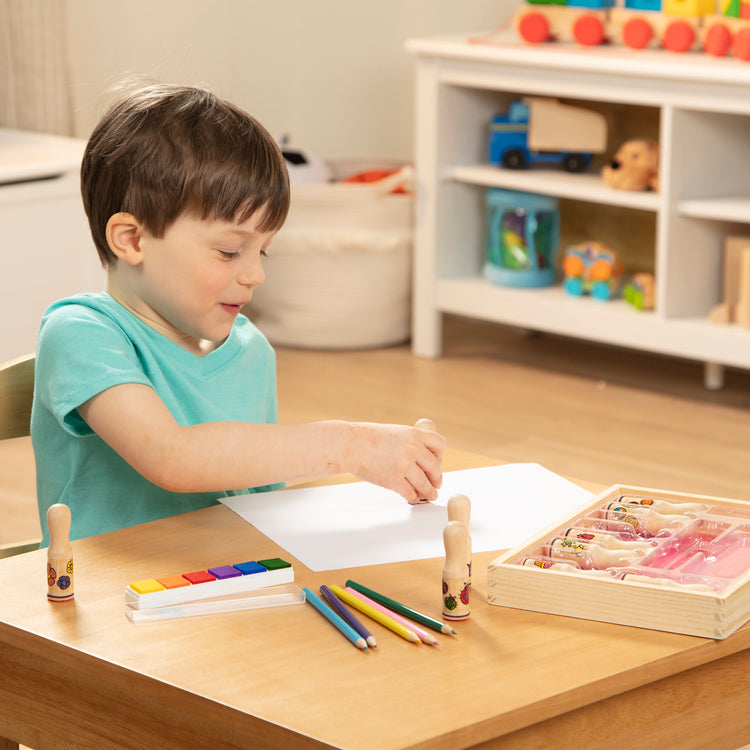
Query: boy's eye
[227,254]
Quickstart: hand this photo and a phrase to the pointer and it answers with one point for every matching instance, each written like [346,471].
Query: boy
[158,396]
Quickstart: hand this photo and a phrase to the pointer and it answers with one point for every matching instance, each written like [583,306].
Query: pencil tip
[372,642]
[361,643]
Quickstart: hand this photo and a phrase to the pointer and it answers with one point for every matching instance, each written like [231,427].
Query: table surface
[81,672]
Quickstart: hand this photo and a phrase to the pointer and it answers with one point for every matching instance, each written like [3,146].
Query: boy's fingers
[433,470]
[424,490]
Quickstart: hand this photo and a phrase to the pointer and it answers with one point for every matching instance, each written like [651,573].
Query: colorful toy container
[592,268]
[523,237]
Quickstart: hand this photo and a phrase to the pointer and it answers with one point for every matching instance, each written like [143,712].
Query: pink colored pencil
[423,635]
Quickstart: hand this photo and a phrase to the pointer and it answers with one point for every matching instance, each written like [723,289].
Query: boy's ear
[124,237]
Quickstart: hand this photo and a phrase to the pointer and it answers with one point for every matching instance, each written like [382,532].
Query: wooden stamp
[605,539]
[425,424]
[589,554]
[644,519]
[662,506]
[545,564]
[59,554]
[455,585]
[459,509]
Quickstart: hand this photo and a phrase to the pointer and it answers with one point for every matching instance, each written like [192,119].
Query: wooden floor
[598,413]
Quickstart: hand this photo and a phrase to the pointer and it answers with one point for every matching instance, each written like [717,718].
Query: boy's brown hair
[164,150]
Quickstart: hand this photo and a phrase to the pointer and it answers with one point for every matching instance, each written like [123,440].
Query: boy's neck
[119,293]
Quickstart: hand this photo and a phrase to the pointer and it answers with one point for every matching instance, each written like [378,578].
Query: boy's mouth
[231,309]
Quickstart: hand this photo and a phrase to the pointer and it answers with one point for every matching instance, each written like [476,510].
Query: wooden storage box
[683,569]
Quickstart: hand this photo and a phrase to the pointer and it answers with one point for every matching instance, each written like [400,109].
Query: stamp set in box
[637,556]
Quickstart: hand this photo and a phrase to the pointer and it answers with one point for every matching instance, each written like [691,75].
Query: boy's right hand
[404,459]
[214,456]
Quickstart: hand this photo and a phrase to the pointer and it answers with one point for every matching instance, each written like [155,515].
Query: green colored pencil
[402,609]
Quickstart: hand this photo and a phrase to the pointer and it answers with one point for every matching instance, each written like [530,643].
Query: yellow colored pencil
[384,620]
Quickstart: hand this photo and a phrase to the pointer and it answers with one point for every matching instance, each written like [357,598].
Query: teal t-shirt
[89,343]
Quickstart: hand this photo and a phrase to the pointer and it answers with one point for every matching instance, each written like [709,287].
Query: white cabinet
[699,110]
[46,251]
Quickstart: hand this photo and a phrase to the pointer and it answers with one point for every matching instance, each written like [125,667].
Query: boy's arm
[135,422]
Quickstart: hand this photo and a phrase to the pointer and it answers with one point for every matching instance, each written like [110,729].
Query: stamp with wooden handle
[59,554]
[662,506]
[459,509]
[591,555]
[455,586]
[643,520]
[604,539]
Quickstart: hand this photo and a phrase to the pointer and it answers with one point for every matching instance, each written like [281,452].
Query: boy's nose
[252,274]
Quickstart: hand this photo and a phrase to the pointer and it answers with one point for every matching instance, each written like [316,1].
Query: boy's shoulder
[70,316]
[84,305]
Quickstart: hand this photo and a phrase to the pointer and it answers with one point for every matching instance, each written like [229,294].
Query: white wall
[331,73]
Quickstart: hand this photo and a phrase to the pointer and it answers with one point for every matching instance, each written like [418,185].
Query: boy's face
[193,281]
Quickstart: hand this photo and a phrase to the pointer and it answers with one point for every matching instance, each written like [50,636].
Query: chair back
[16,392]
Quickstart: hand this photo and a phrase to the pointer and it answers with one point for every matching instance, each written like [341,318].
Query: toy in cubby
[640,557]
[735,304]
[523,234]
[634,166]
[640,291]
[541,130]
[592,268]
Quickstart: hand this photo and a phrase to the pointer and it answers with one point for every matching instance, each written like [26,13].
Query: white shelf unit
[702,105]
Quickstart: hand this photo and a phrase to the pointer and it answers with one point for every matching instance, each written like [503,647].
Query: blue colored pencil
[334,619]
[340,607]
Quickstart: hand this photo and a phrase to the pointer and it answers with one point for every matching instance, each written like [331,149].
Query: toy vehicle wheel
[741,46]
[601,290]
[574,286]
[678,36]
[637,33]
[588,30]
[514,158]
[533,27]
[574,162]
[718,40]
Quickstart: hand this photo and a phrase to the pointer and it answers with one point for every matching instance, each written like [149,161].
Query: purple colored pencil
[343,611]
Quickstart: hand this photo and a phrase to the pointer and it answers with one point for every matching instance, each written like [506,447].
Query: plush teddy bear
[635,166]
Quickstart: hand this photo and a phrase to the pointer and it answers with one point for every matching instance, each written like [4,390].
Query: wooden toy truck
[537,129]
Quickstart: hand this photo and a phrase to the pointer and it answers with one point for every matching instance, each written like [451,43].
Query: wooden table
[81,675]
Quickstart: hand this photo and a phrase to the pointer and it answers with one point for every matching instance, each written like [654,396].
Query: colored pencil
[384,620]
[334,619]
[423,635]
[339,607]
[402,609]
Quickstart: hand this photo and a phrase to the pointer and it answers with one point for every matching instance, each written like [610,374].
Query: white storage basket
[338,275]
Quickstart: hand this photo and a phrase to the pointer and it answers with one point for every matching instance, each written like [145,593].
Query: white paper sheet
[349,525]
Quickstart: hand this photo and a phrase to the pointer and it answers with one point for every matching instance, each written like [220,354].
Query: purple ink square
[225,571]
